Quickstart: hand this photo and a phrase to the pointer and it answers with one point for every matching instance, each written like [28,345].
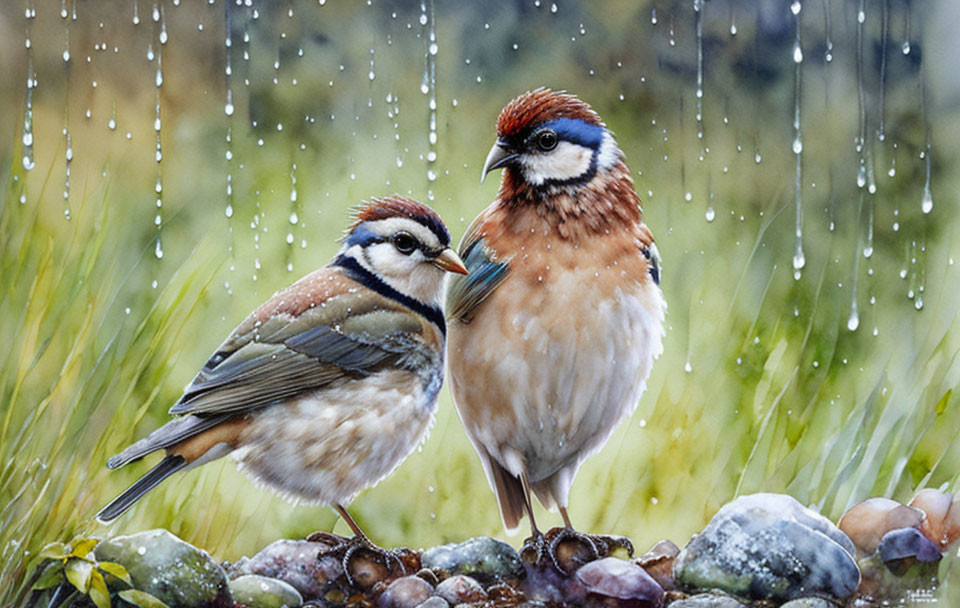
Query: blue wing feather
[466,292]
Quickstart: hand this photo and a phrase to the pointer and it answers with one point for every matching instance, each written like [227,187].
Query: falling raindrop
[28,162]
[698,8]
[710,214]
[429,87]
[926,202]
[799,260]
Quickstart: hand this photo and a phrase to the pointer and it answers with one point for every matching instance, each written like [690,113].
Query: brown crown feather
[397,205]
[540,105]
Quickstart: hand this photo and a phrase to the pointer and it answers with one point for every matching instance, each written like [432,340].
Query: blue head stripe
[363,236]
[577,131]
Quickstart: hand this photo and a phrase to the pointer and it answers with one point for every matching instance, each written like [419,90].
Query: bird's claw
[568,549]
[534,548]
[364,563]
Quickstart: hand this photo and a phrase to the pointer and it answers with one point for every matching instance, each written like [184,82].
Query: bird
[329,385]
[554,331]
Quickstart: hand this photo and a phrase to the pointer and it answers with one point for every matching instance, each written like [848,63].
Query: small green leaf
[116,570]
[141,599]
[55,551]
[78,573]
[98,591]
[83,546]
[53,575]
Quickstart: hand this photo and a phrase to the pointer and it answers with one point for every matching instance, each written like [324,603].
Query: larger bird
[329,385]
[554,331]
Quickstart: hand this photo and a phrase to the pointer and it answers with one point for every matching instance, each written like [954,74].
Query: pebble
[620,583]
[434,602]
[483,558]
[866,522]
[293,562]
[255,591]
[769,547]
[170,569]
[658,562]
[942,521]
[809,602]
[460,589]
[405,592]
[708,600]
[899,549]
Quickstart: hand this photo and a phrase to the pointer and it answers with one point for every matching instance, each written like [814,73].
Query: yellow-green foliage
[761,387]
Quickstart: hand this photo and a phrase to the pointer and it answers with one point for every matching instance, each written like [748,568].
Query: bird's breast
[559,353]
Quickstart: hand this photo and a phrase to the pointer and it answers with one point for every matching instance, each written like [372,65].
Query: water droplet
[854,321]
[710,214]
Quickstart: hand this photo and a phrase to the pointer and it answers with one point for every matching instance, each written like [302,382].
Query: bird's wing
[466,292]
[288,347]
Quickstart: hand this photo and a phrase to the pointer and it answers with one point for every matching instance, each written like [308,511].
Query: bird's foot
[364,563]
[535,548]
[568,549]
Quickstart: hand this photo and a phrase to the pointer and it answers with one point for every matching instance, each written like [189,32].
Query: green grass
[780,395]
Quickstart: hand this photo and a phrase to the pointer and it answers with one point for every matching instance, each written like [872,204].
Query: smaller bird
[328,386]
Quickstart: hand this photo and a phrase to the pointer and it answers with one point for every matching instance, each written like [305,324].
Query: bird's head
[551,141]
[404,243]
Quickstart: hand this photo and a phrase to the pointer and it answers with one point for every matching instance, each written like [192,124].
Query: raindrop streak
[28,164]
[66,111]
[698,8]
[884,27]
[157,125]
[799,260]
[294,216]
[429,87]
[853,322]
[228,110]
[828,42]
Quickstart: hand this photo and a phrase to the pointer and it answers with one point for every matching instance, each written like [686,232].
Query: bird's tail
[165,468]
[509,491]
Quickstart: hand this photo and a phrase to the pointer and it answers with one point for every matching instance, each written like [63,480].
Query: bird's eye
[547,140]
[405,243]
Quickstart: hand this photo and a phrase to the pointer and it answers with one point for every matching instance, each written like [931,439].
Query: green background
[762,386]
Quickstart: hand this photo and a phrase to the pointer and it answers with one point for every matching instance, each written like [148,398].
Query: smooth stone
[708,600]
[172,570]
[658,562]
[626,583]
[483,558]
[460,589]
[867,521]
[255,591]
[809,602]
[769,547]
[899,549]
[942,522]
[293,562]
[434,602]
[405,592]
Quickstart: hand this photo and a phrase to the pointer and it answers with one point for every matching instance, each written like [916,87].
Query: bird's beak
[500,154]
[450,261]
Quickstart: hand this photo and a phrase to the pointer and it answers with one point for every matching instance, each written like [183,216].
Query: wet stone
[483,558]
[615,582]
[434,602]
[809,602]
[899,549]
[708,600]
[460,589]
[658,562]
[294,562]
[255,591]
[769,547]
[174,571]
[405,592]
[906,579]
[866,522]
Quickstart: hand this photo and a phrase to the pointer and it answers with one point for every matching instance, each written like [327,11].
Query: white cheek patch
[566,161]
[393,225]
[609,152]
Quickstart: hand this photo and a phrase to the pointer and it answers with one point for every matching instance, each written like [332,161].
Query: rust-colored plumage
[539,105]
[397,205]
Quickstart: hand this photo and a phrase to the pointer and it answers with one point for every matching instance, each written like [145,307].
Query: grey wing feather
[261,373]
